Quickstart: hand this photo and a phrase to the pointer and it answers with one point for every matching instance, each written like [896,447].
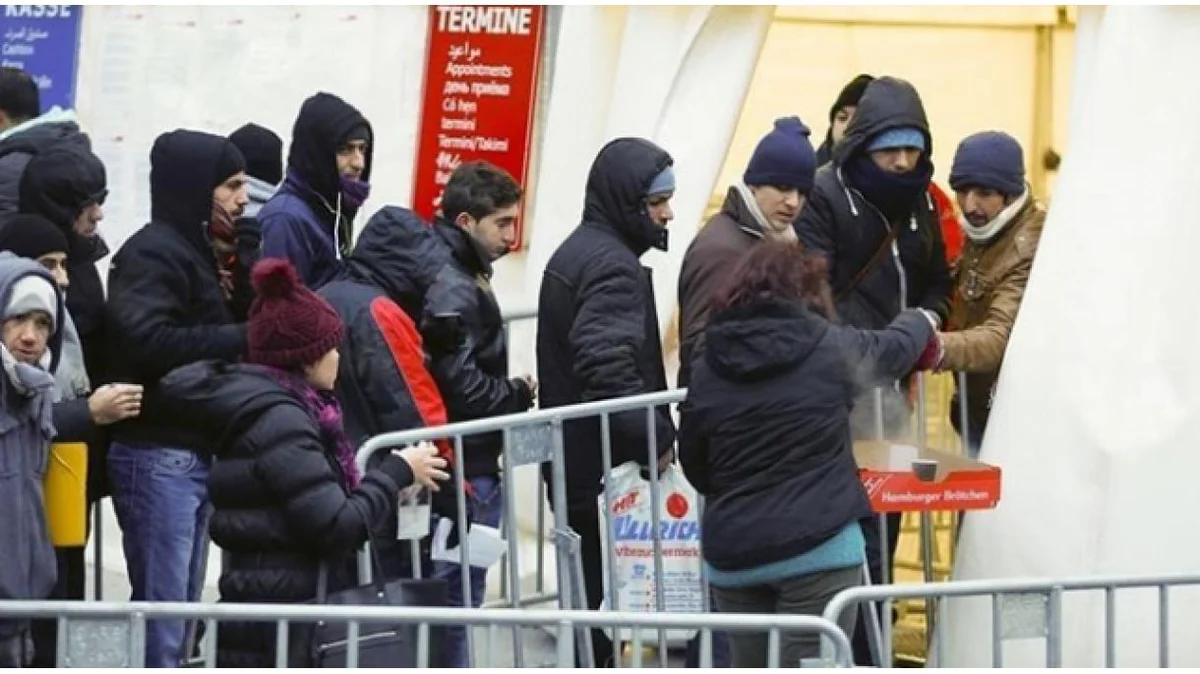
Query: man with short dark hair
[477,225]
[25,131]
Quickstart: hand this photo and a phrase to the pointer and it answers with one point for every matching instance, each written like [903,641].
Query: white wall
[1097,415]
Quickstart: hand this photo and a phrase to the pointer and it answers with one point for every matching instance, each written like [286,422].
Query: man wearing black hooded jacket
[871,214]
[598,335]
[169,305]
[309,220]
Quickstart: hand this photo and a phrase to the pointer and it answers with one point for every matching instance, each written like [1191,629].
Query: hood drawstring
[849,197]
[337,227]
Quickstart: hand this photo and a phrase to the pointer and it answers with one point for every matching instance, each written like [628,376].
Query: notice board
[43,40]
[479,95]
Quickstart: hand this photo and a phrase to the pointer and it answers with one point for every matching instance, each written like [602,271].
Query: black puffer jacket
[840,223]
[280,506]
[166,307]
[473,374]
[765,431]
[598,334]
[56,183]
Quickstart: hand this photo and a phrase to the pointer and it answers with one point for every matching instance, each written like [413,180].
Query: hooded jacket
[384,382]
[598,335]
[55,184]
[472,373]
[306,221]
[166,307]
[765,431]
[279,504]
[840,223]
[27,563]
[18,145]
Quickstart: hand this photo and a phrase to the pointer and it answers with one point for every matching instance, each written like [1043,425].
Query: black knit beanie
[263,151]
[31,236]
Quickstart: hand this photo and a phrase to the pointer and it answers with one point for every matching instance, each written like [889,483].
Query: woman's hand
[115,402]
[425,463]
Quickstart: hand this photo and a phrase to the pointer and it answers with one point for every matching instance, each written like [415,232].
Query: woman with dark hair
[765,437]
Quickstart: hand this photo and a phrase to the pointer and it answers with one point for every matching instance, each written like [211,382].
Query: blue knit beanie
[899,137]
[991,159]
[783,157]
[663,183]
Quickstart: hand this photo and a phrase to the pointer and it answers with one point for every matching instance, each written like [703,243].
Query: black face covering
[894,194]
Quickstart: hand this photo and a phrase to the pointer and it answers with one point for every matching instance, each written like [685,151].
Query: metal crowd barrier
[530,438]
[123,626]
[1011,604]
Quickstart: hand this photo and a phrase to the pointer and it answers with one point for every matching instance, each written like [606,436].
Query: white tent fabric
[1098,410]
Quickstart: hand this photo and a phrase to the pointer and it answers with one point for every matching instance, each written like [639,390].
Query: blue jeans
[485,507]
[161,500]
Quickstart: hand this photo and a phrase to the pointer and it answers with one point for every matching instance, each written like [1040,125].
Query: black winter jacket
[17,150]
[839,223]
[56,182]
[166,307]
[472,374]
[280,506]
[765,432]
[598,335]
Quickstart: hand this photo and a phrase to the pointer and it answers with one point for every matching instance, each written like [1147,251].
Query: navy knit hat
[783,157]
[991,159]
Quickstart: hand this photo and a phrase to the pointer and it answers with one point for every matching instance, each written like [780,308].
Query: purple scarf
[324,409]
[354,192]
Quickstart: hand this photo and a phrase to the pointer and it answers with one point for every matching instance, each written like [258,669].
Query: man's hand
[115,402]
[532,384]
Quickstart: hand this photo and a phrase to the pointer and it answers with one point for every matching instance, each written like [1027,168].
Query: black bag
[325,644]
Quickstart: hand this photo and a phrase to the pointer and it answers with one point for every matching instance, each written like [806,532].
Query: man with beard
[1003,224]
[310,219]
[598,335]
[169,305]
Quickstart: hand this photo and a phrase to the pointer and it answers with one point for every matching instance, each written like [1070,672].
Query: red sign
[481,70]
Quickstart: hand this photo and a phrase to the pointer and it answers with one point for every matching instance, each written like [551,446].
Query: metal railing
[1045,612]
[126,626]
[534,437]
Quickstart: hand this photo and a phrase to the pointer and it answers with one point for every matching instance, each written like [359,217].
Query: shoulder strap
[893,232]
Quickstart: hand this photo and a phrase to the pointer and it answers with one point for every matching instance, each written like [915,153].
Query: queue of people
[250,341]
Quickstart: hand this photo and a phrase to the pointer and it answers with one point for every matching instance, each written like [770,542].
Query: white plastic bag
[679,524]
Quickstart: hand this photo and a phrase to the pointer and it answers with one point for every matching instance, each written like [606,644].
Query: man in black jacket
[870,213]
[598,335]
[480,207]
[169,306]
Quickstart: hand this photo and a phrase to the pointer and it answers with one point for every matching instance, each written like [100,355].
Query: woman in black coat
[285,490]
[765,437]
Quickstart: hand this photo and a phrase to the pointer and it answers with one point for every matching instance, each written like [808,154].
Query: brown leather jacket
[989,284]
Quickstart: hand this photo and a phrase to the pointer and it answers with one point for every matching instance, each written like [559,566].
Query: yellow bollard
[65,486]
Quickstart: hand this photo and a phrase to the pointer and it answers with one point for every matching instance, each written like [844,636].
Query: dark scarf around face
[894,194]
